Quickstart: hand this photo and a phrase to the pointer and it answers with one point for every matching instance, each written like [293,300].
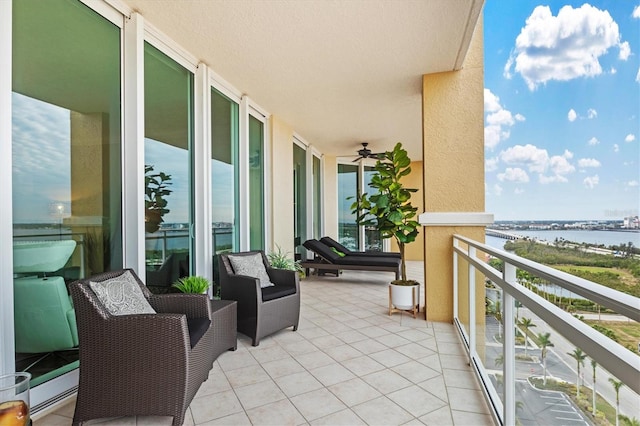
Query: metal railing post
[509,348]
[472,306]
[455,279]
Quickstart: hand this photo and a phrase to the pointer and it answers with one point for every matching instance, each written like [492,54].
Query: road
[560,365]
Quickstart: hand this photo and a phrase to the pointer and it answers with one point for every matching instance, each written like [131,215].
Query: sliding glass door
[348,229]
[256,184]
[168,102]
[299,198]
[224,176]
[67,185]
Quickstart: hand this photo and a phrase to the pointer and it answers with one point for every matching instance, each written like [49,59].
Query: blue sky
[562,106]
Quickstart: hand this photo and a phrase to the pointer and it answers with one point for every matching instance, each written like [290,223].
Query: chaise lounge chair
[330,242]
[327,259]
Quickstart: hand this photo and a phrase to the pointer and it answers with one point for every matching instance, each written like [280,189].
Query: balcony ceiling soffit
[338,72]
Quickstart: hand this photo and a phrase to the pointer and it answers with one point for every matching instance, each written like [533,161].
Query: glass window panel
[67,184]
[224,175]
[348,230]
[168,103]
[317,199]
[256,184]
[372,239]
[299,197]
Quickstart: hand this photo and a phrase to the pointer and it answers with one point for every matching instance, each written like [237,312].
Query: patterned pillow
[251,266]
[122,295]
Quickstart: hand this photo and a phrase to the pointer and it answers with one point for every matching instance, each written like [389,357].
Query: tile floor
[349,363]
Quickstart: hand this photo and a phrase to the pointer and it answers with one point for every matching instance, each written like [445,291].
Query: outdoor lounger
[328,259]
[330,242]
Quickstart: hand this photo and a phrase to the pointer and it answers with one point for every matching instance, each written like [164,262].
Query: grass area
[626,333]
[605,412]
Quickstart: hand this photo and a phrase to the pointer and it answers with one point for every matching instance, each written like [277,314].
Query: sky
[562,106]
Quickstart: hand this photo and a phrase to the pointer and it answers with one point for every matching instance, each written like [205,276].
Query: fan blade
[357,159]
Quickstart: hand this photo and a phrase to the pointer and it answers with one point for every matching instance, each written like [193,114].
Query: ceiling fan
[366,153]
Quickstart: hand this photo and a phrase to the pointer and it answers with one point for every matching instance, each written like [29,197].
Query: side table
[224,319]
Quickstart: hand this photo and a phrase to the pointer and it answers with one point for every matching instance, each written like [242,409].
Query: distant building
[631,222]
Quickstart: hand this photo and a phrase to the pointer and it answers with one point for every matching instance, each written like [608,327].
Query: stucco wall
[281,185]
[453,156]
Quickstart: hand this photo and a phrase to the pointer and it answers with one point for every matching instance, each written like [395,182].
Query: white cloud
[534,158]
[518,191]
[592,113]
[616,148]
[588,162]
[593,141]
[563,47]
[514,175]
[559,164]
[625,50]
[633,183]
[613,71]
[497,189]
[491,164]
[552,179]
[591,182]
[638,75]
[636,12]
[491,101]
[630,137]
[498,120]
[572,115]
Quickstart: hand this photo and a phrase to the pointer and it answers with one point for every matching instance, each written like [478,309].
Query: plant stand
[406,298]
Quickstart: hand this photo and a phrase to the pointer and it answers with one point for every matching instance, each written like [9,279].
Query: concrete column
[453,167]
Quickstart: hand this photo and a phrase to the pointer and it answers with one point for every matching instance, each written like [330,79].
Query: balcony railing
[509,359]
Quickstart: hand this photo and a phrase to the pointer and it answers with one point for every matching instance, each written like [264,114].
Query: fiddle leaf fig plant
[156,189]
[390,210]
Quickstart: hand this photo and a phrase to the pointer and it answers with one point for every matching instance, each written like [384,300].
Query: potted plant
[155,203]
[281,260]
[192,284]
[391,212]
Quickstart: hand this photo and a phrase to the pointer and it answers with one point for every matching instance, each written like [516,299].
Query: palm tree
[526,323]
[616,386]
[594,364]
[544,341]
[579,356]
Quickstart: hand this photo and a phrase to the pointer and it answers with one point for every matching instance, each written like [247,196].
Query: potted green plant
[192,284]
[156,189]
[281,260]
[390,211]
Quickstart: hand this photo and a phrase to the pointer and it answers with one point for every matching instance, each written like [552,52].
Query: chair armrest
[283,277]
[191,305]
[160,340]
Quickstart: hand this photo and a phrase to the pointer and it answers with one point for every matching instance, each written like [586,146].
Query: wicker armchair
[141,364]
[261,311]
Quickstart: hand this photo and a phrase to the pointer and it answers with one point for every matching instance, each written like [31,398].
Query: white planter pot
[404,298]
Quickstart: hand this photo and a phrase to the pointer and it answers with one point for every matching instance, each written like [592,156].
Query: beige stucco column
[453,164]
[282,231]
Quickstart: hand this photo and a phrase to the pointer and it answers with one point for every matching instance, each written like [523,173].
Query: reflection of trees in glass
[156,189]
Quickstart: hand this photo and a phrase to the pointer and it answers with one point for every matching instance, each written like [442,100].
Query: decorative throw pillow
[251,266]
[122,295]
[338,252]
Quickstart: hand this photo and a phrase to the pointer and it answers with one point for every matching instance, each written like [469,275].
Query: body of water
[608,238]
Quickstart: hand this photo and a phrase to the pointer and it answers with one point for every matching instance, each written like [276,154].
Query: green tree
[526,324]
[389,210]
[544,341]
[579,356]
[616,386]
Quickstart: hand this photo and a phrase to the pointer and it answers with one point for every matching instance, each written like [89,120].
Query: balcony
[348,363]
[351,363]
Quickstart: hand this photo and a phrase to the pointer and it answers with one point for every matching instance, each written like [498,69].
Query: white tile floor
[349,363]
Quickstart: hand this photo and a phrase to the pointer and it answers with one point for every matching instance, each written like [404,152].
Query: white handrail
[612,356]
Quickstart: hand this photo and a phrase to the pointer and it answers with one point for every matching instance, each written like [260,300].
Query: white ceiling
[340,72]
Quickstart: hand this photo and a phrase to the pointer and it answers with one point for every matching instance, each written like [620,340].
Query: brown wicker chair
[261,312]
[140,364]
